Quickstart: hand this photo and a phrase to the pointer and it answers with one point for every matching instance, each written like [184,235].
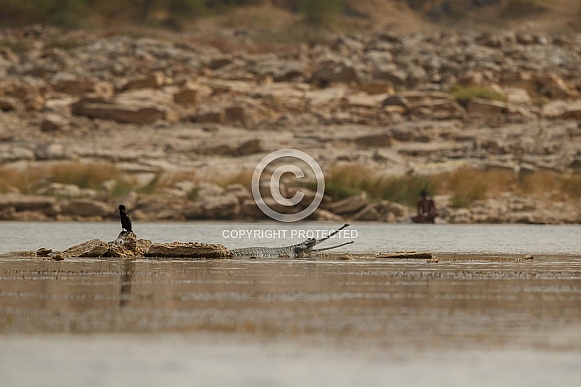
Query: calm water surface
[489,320]
[368,237]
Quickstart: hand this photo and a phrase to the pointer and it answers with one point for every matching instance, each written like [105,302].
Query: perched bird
[125,221]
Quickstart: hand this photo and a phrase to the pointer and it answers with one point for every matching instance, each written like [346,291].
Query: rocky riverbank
[404,104]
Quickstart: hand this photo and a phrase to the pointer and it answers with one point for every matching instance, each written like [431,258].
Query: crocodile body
[293,251]
[299,250]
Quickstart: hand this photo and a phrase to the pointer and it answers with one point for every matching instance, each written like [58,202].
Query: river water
[479,316]
[368,237]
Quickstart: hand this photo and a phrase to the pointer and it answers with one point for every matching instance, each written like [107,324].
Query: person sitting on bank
[426,209]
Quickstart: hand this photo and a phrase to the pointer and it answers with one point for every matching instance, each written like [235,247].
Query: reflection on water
[385,303]
[465,320]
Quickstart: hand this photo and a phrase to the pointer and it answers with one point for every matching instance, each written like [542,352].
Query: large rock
[149,81]
[220,207]
[573,112]
[134,112]
[374,140]
[349,205]
[79,87]
[46,205]
[66,191]
[188,250]
[382,211]
[8,104]
[53,151]
[86,207]
[127,245]
[341,71]
[485,106]
[248,148]
[187,96]
[437,110]
[91,248]
[54,123]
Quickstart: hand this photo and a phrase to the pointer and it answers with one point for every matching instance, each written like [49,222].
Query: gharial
[298,250]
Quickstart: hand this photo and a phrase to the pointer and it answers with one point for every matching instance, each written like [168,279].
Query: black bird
[125,221]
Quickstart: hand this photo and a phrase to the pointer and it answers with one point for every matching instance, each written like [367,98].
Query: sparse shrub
[467,185]
[338,191]
[122,187]
[319,13]
[243,177]
[18,46]
[64,13]
[403,189]
[167,180]
[464,94]
[571,185]
[522,8]
[89,175]
[12,179]
[350,179]
[539,182]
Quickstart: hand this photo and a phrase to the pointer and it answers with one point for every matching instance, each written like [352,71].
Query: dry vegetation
[107,178]
[284,17]
[464,185]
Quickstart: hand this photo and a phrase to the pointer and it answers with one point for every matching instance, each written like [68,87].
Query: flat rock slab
[127,245]
[188,250]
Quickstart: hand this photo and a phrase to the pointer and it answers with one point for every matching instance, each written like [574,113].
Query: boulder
[234,114]
[555,87]
[349,205]
[572,112]
[374,140]
[382,211]
[325,216]
[239,191]
[66,191]
[220,207]
[86,207]
[485,106]
[209,190]
[127,245]
[13,152]
[46,205]
[132,112]
[54,123]
[150,81]
[91,248]
[555,109]
[187,96]
[396,100]
[438,109]
[8,104]
[8,55]
[341,71]
[392,73]
[376,87]
[53,151]
[80,87]
[217,117]
[188,250]
[248,148]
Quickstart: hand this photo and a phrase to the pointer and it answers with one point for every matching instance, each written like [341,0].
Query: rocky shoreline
[177,103]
